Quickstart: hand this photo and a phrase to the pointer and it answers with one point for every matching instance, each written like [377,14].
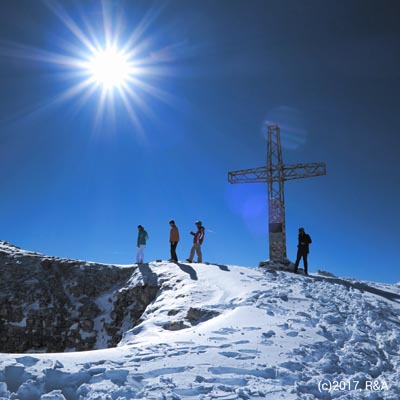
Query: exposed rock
[87,325]
[46,264]
[197,315]
[175,326]
[52,304]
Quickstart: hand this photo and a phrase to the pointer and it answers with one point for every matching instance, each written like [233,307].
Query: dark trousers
[304,255]
[173,251]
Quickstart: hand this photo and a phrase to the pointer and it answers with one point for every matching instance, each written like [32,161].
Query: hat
[198,223]
[172,222]
[301,229]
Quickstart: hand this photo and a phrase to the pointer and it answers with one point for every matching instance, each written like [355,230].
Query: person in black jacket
[303,249]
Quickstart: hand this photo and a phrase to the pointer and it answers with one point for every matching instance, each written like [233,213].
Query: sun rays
[102,60]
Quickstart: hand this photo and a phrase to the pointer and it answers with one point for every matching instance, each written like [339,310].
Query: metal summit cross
[275,173]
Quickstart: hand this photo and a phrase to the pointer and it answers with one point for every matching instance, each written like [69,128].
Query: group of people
[303,247]
[174,238]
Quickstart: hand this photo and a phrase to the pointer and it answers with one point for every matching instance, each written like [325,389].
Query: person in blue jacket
[141,244]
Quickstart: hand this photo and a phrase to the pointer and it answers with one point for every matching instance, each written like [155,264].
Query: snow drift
[227,332]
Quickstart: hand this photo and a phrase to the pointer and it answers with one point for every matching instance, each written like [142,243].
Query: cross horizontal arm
[250,175]
[297,171]
[286,172]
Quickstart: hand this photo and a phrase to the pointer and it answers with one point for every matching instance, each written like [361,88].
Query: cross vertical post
[276,198]
[275,173]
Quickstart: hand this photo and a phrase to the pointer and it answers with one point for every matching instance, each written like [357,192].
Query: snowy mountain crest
[193,331]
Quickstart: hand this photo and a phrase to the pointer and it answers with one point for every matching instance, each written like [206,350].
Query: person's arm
[201,236]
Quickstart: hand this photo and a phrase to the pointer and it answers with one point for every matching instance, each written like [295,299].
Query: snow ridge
[227,332]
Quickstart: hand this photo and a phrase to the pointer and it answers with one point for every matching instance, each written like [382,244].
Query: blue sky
[77,185]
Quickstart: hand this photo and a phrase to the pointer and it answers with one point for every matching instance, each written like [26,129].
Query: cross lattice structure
[275,173]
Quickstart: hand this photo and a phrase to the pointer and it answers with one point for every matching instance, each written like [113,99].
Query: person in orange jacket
[197,242]
[173,239]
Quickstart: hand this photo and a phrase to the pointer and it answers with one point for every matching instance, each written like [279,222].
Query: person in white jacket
[197,242]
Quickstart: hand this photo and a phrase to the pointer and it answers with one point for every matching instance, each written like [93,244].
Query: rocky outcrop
[50,304]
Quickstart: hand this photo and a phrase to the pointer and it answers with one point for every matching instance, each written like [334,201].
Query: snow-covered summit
[228,332]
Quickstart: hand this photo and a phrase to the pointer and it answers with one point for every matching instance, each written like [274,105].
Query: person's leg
[190,259]
[173,251]
[141,253]
[199,255]
[305,261]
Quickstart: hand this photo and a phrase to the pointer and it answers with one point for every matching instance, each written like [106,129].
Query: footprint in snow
[217,338]
[266,373]
[178,353]
[268,335]
[266,338]
[251,351]
[225,331]
[229,354]
[27,361]
[284,326]
[292,366]
[303,314]
[251,328]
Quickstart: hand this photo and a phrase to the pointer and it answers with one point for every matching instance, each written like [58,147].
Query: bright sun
[96,61]
[110,68]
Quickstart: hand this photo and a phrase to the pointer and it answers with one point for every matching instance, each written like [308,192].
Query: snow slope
[228,332]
